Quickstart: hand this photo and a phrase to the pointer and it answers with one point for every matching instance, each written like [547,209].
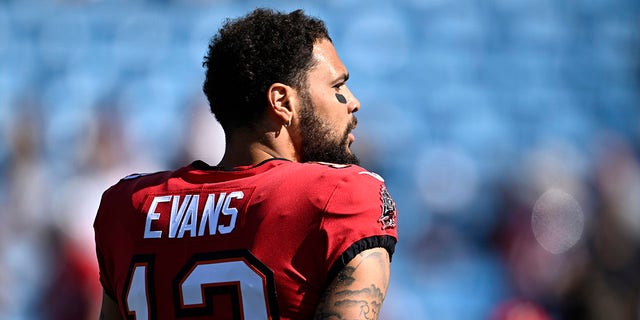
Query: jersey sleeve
[360,215]
[110,233]
[101,250]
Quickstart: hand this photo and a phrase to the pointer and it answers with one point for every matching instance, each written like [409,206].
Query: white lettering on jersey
[233,212]
[153,215]
[211,213]
[183,219]
[189,221]
[176,214]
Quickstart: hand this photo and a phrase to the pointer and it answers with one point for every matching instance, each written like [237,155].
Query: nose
[354,106]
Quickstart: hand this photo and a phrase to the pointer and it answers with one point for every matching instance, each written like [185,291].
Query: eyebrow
[342,78]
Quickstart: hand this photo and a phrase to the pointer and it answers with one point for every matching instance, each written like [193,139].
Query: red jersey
[257,242]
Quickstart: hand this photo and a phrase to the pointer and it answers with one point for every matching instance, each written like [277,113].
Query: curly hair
[251,53]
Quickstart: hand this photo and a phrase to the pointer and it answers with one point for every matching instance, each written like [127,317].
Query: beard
[319,141]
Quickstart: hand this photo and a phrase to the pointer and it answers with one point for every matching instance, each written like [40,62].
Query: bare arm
[358,290]
[109,309]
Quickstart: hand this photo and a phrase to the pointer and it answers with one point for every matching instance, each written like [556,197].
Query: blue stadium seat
[142,38]
[63,37]
[6,30]
[377,41]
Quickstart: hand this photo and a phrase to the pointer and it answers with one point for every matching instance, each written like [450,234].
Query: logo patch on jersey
[389,212]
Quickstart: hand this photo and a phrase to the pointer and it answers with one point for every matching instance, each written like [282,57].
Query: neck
[247,147]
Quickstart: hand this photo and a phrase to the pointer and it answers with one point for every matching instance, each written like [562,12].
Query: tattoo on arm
[345,278]
[341,298]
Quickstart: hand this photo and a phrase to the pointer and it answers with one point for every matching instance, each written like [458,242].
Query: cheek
[332,111]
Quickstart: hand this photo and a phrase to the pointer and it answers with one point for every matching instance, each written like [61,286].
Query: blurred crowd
[508,133]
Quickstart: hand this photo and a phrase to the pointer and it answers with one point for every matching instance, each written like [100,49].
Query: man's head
[251,53]
[285,63]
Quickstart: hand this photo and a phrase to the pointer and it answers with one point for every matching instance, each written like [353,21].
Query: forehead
[328,65]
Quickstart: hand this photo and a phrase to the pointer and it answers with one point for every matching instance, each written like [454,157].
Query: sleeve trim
[387,242]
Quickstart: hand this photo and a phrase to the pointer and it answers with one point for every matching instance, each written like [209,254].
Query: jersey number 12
[237,273]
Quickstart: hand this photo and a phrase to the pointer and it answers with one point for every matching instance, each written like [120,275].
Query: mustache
[352,124]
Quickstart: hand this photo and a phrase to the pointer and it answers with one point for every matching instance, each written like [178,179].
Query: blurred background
[508,132]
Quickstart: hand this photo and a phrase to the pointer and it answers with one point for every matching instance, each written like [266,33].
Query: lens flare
[557,221]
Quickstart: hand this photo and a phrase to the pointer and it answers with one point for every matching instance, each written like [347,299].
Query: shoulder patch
[389,212]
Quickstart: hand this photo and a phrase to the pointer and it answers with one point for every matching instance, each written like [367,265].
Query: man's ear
[281,99]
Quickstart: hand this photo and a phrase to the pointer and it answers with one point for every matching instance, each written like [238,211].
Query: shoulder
[352,179]
[132,183]
[126,194]
[341,172]
[350,185]
[331,184]
[321,177]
